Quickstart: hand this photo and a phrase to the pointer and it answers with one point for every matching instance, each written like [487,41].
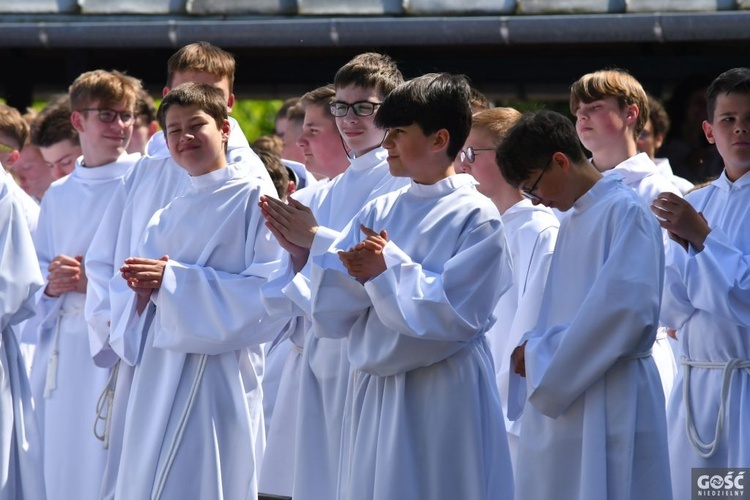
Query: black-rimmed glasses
[471,154]
[529,193]
[110,115]
[361,108]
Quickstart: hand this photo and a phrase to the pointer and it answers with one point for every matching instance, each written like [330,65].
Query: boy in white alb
[531,230]
[361,85]
[594,422]
[196,310]
[65,380]
[611,109]
[707,300]
[152,183]
[21,462]
[414,301]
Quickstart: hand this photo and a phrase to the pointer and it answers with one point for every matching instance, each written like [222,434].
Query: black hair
[735,80]
[532,140]
[434,101]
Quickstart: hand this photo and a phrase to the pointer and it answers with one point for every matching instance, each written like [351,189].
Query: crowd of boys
[405,293]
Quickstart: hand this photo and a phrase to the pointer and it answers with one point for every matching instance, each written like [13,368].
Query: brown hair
[202,57]
[615,83]
[496,121]
[107,88]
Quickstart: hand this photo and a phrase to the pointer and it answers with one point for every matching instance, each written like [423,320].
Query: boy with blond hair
[155,181]
[707,300]
[65,380]
[611,109]
[531,230]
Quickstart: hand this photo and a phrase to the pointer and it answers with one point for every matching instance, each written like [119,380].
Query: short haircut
[496,121]
[322,96]
[732,81]
[202,57]
[208,98]
[434,101]
[478,100]
[616,83]
[13,125]
[270,143]
[658,116]
[52,124]
[107,88]
[530,143]
[288,103]
[370,70]
[145,108]
[296,113]
[278,172]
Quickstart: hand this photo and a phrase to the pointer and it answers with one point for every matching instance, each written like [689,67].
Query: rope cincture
[104,407]
[706,450]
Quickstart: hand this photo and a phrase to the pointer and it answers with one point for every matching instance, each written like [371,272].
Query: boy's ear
[230,102]
[77,120]
[441,140]
[708,129]
[562,160]
[632,113]
[226,127]
[164,91]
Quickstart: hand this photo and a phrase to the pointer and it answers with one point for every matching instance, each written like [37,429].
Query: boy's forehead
[733,102]
[353,89]
[180,77]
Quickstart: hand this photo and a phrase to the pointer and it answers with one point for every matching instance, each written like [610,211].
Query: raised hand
[684,224]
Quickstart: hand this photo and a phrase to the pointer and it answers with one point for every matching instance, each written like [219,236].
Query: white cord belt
[50,384]
[104,407]
[705,450]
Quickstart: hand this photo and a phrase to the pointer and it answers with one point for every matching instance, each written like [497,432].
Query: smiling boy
[425,419]
[196,278]
[65,381]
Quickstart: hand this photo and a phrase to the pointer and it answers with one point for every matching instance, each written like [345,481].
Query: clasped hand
[66,274]
[365,260]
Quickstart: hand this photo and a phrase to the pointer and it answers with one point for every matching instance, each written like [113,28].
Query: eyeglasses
[110,115]
[360,108]
[529,193]
[471,154]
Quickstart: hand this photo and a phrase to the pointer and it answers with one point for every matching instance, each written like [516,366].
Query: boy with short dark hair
[57,139]
[706,297]
[65,380]
[196,275]
[424,417]
[150,185]
[592,384]
[307,230]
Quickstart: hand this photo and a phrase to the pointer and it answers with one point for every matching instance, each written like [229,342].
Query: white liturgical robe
[21,466]
[188,428]
[423,416]
[707,299]
[594,425]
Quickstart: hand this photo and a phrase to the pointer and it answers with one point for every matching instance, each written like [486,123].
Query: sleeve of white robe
[205,311]
[717,279]
[20,276]
[46,307]
[100,269]
[455,303]
[676,307]
[620,308]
